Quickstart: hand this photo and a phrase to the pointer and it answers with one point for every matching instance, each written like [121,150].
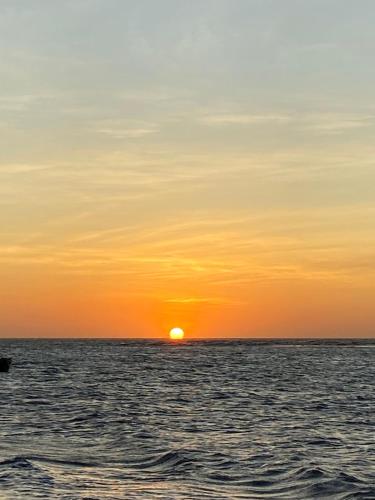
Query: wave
[272,482]
[209,420]
[302,483]
[163,462]
[29,462]
[18,463]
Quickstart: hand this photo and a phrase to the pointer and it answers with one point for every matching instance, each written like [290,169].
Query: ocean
[97,419]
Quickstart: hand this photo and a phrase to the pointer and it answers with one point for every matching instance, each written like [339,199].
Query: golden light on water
[176,334]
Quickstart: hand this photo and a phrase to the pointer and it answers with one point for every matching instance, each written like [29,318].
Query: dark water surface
[206,420]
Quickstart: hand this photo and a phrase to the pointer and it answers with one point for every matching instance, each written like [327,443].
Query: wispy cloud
[337,123]
[16,103]
[197,300]
[127,133]
[245,119]
[299,245]
[324,122]
[24,168]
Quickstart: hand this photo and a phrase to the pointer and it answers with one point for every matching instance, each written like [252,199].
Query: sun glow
[176,334]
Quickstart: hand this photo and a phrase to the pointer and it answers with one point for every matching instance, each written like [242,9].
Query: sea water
[205,420]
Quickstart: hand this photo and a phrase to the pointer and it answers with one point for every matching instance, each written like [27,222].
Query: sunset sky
[208,164]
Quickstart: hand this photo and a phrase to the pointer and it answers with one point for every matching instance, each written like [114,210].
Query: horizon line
[194,339]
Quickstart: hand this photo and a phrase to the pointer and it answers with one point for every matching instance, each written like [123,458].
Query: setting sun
[176,334]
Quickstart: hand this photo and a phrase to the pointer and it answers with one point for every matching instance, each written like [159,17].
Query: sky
[205,164]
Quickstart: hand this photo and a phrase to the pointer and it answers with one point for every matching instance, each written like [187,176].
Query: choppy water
[208,420]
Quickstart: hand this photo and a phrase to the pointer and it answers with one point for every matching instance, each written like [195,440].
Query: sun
[176,334]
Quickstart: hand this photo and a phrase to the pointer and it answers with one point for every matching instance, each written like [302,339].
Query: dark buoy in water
[5,364]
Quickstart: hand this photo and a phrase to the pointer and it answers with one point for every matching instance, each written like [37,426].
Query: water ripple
[206,420]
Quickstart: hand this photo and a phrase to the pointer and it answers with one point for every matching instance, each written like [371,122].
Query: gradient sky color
[207,164]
